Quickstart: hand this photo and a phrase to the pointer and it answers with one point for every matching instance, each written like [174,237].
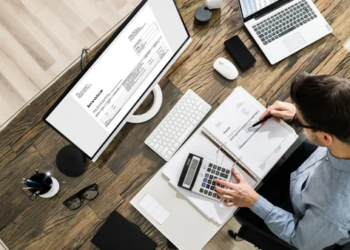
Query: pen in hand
[262,121]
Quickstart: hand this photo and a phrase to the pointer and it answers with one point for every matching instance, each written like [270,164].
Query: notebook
[118,233]
[258,150]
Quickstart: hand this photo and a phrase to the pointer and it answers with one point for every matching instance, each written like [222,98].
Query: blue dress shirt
[320,196]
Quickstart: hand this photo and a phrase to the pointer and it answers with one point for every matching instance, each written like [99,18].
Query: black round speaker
[71,161]
[202,15]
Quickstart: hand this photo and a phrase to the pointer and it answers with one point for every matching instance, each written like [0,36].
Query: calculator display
[191,171]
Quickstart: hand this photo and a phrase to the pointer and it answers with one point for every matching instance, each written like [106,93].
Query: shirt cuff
[262,207]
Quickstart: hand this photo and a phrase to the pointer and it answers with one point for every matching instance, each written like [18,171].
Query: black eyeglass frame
[297,123]
[80,195]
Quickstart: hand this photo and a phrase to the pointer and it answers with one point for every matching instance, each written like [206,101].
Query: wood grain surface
[27,143]
[39,39]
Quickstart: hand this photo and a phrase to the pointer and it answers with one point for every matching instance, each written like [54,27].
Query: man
[318,192]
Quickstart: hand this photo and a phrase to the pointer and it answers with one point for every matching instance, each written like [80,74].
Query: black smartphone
[240,53]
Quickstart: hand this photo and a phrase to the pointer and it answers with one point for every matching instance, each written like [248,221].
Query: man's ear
[327,138]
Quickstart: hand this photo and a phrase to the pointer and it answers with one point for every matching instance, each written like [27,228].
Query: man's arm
[311,232]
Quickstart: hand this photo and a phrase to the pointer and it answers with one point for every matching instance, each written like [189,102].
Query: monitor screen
[250,7]
[102,98]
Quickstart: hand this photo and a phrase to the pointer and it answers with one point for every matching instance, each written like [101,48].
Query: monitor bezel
[93,60]
[263,11]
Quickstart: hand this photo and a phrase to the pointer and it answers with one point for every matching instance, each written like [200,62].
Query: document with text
[258,148]
[115,82]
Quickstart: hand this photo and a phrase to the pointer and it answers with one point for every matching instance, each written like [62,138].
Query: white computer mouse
[226,68]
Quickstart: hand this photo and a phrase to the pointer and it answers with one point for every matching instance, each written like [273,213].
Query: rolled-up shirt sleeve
[311,232]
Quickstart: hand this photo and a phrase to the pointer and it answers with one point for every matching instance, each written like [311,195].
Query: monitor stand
[157,103]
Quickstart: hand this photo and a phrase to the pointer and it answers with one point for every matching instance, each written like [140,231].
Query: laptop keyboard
[284,22]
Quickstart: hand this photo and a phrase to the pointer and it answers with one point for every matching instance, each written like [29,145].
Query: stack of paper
[154,209]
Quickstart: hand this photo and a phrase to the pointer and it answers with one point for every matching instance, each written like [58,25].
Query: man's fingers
[224,183]
[228,203]
[237,175]
[278,113]
[225,197]
[222,190]
[267,111]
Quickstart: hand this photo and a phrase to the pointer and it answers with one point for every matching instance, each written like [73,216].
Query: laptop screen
[249,7]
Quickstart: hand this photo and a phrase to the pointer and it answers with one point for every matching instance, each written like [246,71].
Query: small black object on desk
[38,184]
[118,233]
[71,161]
[202,15]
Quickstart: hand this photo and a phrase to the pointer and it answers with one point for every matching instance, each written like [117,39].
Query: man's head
[323,102]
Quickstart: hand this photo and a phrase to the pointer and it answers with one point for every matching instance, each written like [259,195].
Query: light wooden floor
[40,38]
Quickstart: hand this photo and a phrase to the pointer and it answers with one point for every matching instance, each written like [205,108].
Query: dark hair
[324,102]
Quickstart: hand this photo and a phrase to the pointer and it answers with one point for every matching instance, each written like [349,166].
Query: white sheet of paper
[2,246]
[154,209]
[259,149]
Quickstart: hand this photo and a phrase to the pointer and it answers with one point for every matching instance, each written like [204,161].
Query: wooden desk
[28,143]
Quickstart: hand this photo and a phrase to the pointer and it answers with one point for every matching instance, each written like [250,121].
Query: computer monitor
[101,100]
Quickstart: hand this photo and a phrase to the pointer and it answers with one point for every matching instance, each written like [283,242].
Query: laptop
[283,27]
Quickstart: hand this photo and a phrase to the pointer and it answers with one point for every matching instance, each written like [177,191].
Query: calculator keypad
[211,171]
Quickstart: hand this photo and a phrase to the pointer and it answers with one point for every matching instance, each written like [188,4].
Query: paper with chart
[259,148]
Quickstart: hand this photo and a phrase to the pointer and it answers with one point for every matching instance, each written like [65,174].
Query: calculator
[198,176]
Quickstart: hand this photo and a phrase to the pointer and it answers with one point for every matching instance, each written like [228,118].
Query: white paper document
[259,148]
[154,209]
[105,92]
[2,246]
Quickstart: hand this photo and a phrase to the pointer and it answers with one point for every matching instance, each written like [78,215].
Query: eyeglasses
[297,123]
[89,193]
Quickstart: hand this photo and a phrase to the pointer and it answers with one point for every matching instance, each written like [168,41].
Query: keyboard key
[201,190]
[203,184]
[205,180]
[207,186]
[209,169]
[209,181]
[212,188]
[211,177]
[210,165]
[217,172]
[287,31]
[210,193]
[219,168]
[206,175]
[206,191]
[223,170]
[214,167]
[227,171]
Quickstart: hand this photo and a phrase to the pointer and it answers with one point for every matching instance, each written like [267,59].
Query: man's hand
[283,110]
[240,194]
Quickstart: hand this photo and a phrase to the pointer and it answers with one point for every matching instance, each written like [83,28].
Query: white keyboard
[184,117]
